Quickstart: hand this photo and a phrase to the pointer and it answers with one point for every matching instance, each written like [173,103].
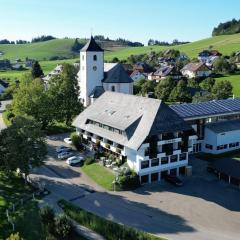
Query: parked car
[63,149]
[74,160]
[65,155]
[174,180]
[68,140]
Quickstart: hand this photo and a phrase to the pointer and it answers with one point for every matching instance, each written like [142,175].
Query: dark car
[174,180]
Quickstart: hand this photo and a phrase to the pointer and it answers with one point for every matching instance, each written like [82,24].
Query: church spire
[92,46]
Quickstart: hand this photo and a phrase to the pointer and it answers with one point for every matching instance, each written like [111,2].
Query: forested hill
[230,27]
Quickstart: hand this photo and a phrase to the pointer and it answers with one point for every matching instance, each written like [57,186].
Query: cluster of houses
[153,138]
[167,67]
[18,64]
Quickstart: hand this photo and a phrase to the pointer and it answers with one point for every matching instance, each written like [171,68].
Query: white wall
[119,87]
[88,78]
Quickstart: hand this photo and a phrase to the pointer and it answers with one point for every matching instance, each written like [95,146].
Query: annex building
[216,123]
[147,133]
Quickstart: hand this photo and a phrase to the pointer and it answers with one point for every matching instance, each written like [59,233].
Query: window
[154,162]
[173,158]
[113,88]
[94,57]
[83,57]
[164,160]
[154,177]
[221,147]
[183,156]
[209,146]
[144,179]
[231,145]
[144,164]
[94,68]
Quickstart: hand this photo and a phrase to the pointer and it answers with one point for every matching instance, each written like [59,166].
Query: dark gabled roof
[3,83]
[92,46]
[228,165]
[210,108]
[225,126]
[117,74]
[167,120]
[96,92]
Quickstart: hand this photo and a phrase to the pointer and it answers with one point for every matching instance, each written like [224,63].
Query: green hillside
[226,44]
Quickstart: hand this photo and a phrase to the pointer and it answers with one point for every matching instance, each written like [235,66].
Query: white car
[68,140]
[74,160]
[65,155]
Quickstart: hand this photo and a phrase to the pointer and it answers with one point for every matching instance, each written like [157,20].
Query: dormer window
[94,57]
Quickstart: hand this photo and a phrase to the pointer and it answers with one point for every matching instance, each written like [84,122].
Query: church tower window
[94,57]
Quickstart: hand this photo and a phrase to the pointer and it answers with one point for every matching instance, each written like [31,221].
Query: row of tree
[152,42]
[226,28]
[170,90]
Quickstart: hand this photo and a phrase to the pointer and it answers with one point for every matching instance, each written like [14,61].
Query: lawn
[108,229]
[235,81]
[100,175]
[26,217]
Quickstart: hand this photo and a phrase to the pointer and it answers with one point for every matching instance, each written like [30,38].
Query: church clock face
[94,68]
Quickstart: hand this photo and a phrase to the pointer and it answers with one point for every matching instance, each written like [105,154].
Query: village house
[95,76]
[192,70]
[5,64]
[142,67]
[145,132]
[136,75]
[163,72]
[56,71]
[209,57]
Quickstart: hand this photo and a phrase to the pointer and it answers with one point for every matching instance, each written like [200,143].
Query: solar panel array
[207,108]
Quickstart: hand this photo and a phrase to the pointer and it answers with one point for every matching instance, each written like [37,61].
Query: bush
[47,218]
[76,140]
[63,227]
[89,160]
[14,236]
[128,181]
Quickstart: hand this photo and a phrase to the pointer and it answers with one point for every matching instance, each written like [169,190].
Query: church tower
[91,71]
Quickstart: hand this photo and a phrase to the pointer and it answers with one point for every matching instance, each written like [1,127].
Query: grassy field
[225,44]
[26,217]
[235,81]
[100,175]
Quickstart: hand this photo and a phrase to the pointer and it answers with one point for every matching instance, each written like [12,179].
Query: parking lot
[204,208]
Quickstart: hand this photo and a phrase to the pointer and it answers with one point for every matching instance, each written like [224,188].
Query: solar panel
[207,108]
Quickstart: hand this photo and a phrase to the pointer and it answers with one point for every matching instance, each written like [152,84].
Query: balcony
[169,141]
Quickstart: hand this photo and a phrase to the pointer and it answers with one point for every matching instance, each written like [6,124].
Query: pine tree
[36,70]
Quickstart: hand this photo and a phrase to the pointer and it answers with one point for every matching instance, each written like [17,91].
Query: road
[2,108]
[203,209]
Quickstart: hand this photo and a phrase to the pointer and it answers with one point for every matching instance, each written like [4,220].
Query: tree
[164,88]
[47,218]
[76,46]
[193,82]
[64,92]
[147,87]
[222,89]
[222,65]
[22,145]
[36,70]
[63,227]
[14,236]
[31,99]
[208,83]
[202,97]
[180,93]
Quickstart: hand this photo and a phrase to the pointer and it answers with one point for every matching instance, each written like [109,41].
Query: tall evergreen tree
[36,70]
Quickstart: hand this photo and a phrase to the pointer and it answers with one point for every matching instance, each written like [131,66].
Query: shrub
[47,218]
[76,140]
[89,160]
[129,180]
[14,236]
[63,227]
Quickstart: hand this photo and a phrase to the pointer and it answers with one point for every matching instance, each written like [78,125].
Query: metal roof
[225,126]
[138,116]
[205,109]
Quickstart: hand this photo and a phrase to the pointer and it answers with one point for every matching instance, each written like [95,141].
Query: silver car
[65,155]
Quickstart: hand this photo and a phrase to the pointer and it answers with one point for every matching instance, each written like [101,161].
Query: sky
[136,20]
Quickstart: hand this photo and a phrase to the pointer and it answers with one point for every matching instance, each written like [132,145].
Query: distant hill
[230,27]
[49,49]
[226,44]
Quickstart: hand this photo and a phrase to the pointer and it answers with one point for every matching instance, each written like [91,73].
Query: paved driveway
[203,209]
